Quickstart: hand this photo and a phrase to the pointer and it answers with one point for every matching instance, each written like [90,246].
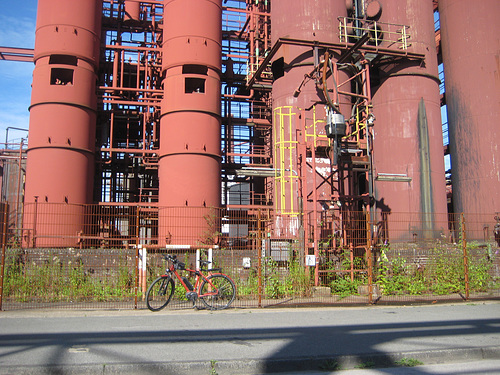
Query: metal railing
[382,34]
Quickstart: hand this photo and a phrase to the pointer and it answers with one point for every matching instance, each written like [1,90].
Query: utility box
[278,250]
[335,125]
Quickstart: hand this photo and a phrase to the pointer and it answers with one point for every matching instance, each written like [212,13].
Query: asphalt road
[250,341]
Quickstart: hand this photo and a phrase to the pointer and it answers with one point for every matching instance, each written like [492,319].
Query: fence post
[259,262]
[136,256]
[143,255]
[19,173]
[466,258]
[35,220]
[369,256]
[4,211]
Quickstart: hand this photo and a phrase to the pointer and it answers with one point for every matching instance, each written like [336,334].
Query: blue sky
[17,29]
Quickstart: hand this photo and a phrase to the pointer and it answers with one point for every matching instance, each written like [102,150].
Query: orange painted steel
[408,143]
[469,43]
[64,114]
[132,11]
[60,164]
[296,89]
[16,54]
[190,128]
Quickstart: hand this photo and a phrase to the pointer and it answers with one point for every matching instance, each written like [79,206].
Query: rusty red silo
[470,48]
[293,93]
[60,156]
[408,143]
[190,127]
[132,10]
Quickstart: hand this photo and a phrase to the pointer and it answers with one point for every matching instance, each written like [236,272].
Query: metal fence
[327,257]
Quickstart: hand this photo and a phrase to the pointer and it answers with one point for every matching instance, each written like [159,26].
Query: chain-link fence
[108,258]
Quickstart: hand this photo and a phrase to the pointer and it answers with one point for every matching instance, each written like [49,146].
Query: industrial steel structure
[471,64]
[171,110]
[63,111]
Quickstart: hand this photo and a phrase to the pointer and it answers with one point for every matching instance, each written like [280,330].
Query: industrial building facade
[182,122]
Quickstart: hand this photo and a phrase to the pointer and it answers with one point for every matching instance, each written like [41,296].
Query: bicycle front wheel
[217,292]
[160,293]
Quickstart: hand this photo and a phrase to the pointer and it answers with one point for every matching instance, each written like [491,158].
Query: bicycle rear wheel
[217,292]
[160,293]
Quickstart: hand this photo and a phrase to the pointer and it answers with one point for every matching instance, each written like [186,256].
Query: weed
[248,286]
[50,279]
[287,281]
[213,371]
[409,362]
[179,291]
[344,286]
[442,274]
[329,365]
[368,364]
[296,282]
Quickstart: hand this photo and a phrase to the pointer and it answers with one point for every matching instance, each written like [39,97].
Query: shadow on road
[301,348]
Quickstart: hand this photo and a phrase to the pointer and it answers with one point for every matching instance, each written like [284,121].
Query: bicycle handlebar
[172,258]
[179,265]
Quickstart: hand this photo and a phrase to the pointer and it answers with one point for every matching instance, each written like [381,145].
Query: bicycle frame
[200,277]
[215,289]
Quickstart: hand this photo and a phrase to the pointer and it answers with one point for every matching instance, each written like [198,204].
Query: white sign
[311,260]
[247,262]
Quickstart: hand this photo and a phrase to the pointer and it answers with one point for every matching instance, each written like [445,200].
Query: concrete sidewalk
[246,341]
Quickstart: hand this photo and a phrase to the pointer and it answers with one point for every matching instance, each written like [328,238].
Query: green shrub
[50,280]
[249,285]
[443,273]
[343,286]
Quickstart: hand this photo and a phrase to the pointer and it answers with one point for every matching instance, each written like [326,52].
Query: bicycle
[216,290]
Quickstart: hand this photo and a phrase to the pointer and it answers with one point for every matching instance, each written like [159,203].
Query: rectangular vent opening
[61,76]
[195,69]
[194,85]
[63,60]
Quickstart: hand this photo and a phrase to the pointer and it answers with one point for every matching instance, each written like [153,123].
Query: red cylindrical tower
[470,45]
[293,93]
[408,142]
[190,128]
[63,107]
[132,10]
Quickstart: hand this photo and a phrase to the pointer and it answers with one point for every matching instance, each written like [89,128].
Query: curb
[258,366]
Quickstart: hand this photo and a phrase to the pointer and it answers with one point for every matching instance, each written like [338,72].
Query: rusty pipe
[233,96]
[327,63]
